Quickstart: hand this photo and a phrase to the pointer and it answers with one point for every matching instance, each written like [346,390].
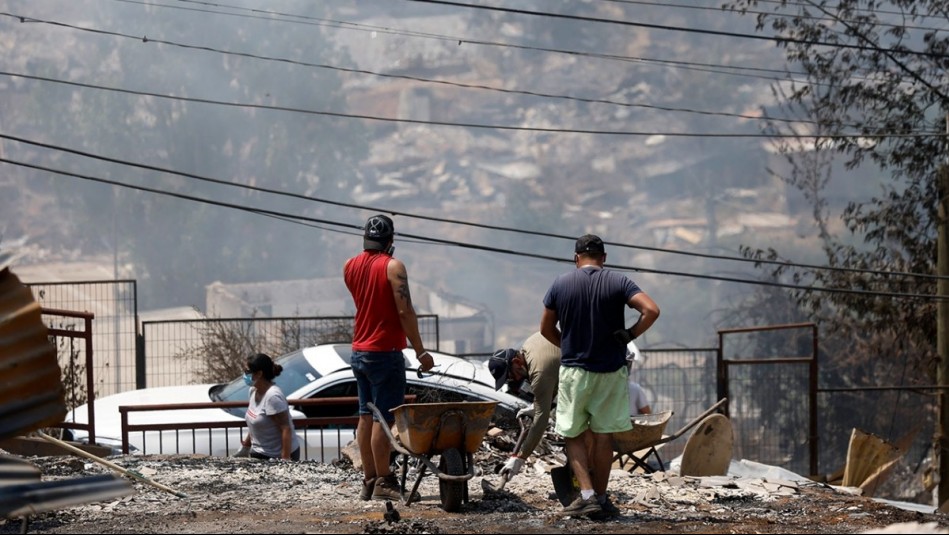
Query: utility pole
[942,329]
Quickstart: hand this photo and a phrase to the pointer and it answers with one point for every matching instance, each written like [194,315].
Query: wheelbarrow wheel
[452,492]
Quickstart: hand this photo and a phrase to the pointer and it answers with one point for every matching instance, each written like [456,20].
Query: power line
[776,39]
[714,256]
[297,218]
[685,65]
[409,77]
[145,39]
[281,215]
[753,12]
[667,63]
[469,125]
[711,256]
[452,221]
[720,10]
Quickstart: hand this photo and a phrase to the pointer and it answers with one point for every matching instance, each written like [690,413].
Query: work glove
[243,452]
[623,336]
[526,411]
[512,467]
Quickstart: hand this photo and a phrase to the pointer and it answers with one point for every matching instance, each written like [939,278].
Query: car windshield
[296,374]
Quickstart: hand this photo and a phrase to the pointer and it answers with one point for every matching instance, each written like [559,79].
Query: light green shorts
[595,401]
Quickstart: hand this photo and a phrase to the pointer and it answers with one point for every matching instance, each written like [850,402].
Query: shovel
[564,486]
[486,485]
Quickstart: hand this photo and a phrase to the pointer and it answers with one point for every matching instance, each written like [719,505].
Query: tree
[866,82]
[224,345]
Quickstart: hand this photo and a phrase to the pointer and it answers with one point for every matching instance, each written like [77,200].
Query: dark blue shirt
[591,304]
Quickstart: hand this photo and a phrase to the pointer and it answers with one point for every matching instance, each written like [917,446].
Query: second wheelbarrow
[635,445]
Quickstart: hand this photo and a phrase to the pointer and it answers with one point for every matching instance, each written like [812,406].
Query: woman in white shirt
[270,432]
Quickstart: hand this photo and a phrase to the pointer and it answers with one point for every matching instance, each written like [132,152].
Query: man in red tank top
[385,318]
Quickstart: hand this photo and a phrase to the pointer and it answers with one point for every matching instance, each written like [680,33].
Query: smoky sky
[557,126]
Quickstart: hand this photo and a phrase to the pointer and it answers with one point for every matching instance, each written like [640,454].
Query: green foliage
[879,78]
[861,68]
[73,370]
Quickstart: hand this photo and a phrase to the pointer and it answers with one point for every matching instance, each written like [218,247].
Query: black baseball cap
[379,230]
[499,364]
[589,243]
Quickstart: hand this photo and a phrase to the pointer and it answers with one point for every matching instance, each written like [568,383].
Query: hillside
[403,79]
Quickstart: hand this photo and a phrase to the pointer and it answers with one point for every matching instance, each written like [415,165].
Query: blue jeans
[295,456]
[380,378]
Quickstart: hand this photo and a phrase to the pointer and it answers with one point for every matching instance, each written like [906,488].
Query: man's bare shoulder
[395,266]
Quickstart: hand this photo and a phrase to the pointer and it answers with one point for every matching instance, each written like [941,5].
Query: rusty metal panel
[32,394]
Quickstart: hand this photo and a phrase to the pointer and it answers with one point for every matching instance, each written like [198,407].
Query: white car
[320,371]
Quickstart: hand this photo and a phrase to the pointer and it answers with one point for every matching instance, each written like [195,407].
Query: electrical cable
[413,78]
[777,39]
[281,215]
[718,135]
[410,215]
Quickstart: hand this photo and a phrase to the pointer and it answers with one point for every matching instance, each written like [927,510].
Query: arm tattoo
[404,288]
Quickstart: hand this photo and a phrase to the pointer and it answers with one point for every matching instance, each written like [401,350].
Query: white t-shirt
[637,398]
[264,432]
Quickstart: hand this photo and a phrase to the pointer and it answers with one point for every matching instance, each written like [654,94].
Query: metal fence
[782,416]
[115,307]
[769,374]
[74,351]
[680,380]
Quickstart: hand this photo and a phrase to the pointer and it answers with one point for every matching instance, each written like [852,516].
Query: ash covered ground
[226,495]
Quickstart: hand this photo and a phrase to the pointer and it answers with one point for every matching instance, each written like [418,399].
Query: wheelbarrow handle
[385,429]
[419,373]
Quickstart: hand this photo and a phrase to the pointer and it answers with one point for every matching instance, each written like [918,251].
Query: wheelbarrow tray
[647,431]
[646,436]
[635,445]
[431,428]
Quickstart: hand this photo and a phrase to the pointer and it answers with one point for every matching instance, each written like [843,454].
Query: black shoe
[607,511]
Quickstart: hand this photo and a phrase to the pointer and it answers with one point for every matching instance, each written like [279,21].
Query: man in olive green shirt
[538,361]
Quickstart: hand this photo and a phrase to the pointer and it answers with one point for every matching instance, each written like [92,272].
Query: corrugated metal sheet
[32,395]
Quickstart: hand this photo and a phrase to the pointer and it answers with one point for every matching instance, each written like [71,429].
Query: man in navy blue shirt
[589,304]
